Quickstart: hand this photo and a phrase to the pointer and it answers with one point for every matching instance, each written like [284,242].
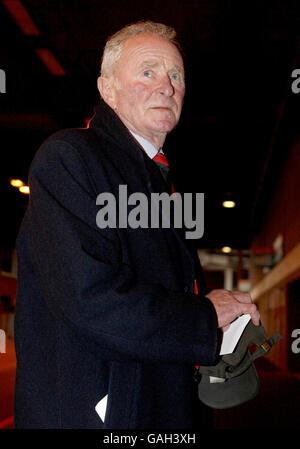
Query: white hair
[114,45]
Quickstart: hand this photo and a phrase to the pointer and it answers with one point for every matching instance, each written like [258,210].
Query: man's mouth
[162,108]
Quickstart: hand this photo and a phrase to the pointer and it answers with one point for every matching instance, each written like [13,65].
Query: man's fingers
[242,297]
[246,300]
[229,305]
[251,309]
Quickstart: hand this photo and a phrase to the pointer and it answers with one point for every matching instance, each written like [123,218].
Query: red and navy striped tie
[160,158]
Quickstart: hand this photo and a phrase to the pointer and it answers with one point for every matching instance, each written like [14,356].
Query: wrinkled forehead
[150,48]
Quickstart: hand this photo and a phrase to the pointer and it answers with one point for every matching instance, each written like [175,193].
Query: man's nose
[165,86]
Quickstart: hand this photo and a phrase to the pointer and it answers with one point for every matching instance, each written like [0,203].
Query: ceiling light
[24,189]
[226,249]
[228,204]
[16,182]
[21,17]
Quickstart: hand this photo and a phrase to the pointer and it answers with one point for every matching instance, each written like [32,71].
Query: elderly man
[109,325]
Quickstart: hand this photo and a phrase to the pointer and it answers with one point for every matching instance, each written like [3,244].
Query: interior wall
[272,308]
[283,214]
[282,217]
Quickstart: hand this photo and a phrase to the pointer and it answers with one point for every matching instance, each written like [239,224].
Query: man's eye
[175,76]
[147,73]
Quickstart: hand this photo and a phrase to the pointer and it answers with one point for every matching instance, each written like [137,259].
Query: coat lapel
[129,159]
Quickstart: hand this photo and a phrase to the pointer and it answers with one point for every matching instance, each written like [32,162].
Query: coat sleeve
[82,278]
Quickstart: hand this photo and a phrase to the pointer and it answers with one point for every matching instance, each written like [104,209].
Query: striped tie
[161,159]
[164,165]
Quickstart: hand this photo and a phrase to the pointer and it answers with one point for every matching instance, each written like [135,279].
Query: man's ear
[107,90]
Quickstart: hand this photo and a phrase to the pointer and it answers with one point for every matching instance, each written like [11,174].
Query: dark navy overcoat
[104,312]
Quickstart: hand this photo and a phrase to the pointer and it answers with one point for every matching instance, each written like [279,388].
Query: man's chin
[163,124]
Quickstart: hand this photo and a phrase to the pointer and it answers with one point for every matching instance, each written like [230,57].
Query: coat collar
[128,153]
[129,156]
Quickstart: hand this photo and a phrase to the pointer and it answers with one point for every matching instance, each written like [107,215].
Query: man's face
[149,87]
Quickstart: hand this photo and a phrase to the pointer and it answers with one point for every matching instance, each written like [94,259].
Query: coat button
[186,289]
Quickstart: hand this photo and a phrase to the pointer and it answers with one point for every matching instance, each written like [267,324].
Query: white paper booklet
[101,408]
[230,339]
[232,335]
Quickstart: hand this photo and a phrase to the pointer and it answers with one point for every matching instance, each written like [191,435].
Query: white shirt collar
[149,148]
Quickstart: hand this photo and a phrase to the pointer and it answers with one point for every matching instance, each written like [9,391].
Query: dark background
[239,119]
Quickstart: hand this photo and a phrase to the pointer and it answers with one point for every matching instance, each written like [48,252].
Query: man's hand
[230,305]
